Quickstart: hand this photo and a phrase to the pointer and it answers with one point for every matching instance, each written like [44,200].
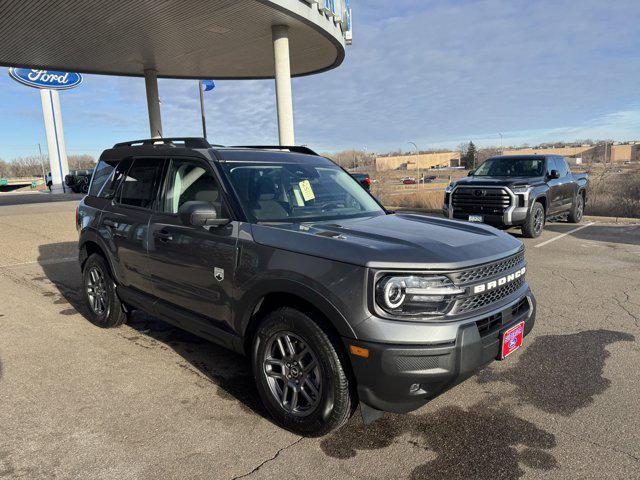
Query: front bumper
[514,216]
[403,377]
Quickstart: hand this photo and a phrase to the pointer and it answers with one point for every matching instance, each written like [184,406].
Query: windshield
[511,167]
[295,192]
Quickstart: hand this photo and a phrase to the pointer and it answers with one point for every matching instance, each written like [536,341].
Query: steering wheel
[328,205]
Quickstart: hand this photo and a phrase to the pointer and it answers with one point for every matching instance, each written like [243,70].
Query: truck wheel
[575,215]
[105,309]
[299,373]
[535,221]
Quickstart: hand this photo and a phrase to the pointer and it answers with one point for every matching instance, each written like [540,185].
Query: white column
[283,84]
[55,139]
[153,103]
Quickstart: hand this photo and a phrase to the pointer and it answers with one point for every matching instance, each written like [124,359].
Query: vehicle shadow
[227,370]
[8,199]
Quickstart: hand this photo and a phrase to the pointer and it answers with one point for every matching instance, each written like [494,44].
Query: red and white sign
[512,339]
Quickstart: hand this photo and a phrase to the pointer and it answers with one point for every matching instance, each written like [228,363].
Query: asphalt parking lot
[149,401]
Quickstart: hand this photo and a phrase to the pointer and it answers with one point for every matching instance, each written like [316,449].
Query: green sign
[4,181]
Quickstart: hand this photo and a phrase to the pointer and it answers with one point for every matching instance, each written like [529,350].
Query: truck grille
[489,270]
[478,301]
[480,200]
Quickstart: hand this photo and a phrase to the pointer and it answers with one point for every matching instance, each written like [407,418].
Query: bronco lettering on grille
[483,287]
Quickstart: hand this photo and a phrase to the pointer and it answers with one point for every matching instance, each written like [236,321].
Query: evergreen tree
[470,157]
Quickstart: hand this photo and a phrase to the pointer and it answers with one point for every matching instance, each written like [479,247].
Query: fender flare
[91,235]
[247,304]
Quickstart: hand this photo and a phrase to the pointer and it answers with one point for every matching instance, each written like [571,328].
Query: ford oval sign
[45,78]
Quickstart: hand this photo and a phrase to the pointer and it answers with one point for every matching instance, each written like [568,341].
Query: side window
[190,181]
[139,185]
[551,165]
[562,166]
[101,174]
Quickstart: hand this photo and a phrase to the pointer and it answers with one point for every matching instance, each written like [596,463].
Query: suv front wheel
[299,373]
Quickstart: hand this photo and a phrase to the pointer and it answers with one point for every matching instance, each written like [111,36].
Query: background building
[422,161]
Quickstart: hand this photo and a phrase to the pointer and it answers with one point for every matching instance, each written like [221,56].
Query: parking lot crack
[268,460]
[626,309]
[600,445]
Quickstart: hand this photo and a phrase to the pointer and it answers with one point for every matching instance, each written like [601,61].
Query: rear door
[125,220]
[193,267]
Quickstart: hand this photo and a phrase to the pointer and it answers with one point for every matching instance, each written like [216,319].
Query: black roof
[196,146]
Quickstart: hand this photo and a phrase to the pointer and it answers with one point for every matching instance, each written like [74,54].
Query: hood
[499,181]
[393,241]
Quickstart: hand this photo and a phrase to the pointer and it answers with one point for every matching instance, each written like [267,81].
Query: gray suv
[278,253]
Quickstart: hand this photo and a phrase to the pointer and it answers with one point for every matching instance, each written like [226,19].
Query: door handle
[163,236]
[109,223]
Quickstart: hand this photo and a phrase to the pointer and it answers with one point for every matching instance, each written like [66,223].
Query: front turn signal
[359,351]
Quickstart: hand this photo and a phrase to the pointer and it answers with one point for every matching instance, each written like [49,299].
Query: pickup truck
[518,190]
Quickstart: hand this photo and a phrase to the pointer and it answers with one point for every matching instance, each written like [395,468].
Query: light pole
[202,114]
[417,159]
[501,149]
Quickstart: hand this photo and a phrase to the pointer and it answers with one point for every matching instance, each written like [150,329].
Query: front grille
[478,301]
[488,201]
[487,324]
[489,270]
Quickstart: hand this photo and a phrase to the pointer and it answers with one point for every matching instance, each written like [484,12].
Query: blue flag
[208,85]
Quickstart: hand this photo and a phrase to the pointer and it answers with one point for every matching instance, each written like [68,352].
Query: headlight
[415,294]
[448,189]
[521,189]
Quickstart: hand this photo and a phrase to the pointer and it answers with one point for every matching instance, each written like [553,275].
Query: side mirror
[470,174]
[200,214]
[554,174]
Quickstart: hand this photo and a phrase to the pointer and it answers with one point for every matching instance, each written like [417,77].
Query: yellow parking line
[563,235]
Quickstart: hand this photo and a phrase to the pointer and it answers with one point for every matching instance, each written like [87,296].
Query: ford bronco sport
[278,253]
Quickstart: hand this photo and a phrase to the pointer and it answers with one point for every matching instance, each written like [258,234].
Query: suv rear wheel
[535,221]
[300,376]
[105,309]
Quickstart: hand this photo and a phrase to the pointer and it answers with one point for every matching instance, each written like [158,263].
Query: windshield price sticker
[307,191]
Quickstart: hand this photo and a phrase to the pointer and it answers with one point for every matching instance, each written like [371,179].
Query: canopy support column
[283,84]
[153,103]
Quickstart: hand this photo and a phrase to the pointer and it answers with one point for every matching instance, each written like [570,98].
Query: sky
[437,73]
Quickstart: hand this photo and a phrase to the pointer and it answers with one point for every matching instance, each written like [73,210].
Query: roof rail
[189,142]
[294,149]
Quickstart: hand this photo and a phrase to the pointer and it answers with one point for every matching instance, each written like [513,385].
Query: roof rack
[294,149]
[189,142]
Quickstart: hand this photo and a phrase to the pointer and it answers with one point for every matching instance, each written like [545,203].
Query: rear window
[103,173]
[139,186]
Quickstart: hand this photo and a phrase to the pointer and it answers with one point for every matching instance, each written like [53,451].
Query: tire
[577,210]
[311,414]
[535,221]
[105,308]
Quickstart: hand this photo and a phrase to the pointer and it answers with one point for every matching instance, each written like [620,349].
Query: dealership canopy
[177,38]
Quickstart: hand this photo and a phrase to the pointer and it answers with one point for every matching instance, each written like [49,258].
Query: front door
[193,267]
[125,221]
[555,196]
